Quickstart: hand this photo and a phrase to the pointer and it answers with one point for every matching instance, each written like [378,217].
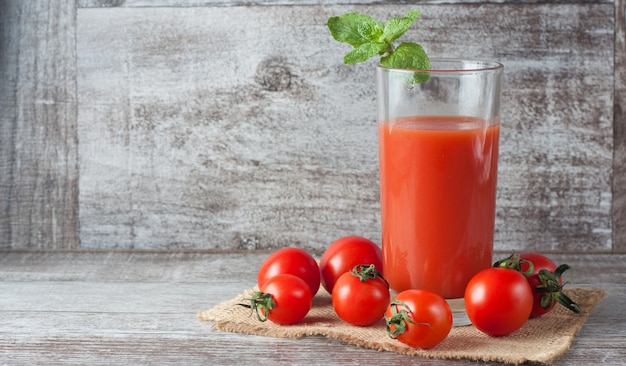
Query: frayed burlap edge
[540,340]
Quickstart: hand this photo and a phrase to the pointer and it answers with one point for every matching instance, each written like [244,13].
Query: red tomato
[544,278]
[345,253]
[498,301]
[361,296]
[294,261]
[284,299]
[419,318]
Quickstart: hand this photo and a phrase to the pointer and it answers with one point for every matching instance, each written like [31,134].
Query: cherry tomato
[283,299]
[544,278]
[419,318]
[294,261]
[498,301]
[361,296]
[345,253]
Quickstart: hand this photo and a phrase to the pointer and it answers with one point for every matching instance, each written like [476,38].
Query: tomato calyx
[551,289]
[397,322]
[367,272]
[260,305]
[515,262]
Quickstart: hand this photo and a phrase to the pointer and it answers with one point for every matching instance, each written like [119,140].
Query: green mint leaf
[409,55]
[370,37]
[355,29]
[395,27]
[372,31]
[364,52]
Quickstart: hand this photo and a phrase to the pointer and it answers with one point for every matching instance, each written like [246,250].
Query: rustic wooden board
[250,149]
[140,308]
[193,3]
[198,132]
[193,129]
[38,146]
[227,266]
[619,138]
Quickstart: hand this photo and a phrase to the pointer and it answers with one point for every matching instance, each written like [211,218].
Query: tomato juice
[438,193]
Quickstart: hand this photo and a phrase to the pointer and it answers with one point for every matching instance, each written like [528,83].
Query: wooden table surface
[140,308]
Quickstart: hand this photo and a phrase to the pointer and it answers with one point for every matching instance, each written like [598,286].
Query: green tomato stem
[366,272]
[260,304]
[397,322]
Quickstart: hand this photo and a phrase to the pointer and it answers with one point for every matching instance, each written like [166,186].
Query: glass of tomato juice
[438,133]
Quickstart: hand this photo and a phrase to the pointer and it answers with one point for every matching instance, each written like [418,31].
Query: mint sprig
[370,38]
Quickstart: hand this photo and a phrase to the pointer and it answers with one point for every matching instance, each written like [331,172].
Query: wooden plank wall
[180,124]
[38,136]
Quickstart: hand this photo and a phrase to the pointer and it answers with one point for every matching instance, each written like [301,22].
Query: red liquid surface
[438,192]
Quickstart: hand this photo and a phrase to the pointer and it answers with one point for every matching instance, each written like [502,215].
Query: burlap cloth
[540,340]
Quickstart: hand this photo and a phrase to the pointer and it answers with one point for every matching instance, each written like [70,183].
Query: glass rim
[482,65]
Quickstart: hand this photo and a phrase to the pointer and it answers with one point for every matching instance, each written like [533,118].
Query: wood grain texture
[223,124]
[198,133]
[619,138]
[140,308]
[38,146]
[195,136]
[194,3]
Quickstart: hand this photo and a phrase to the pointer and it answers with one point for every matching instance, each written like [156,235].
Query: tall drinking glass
[438,148]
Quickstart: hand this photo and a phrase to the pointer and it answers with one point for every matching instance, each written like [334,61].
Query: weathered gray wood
[258,136]
[236,267]
[140,308]
[198,135]
[191,3]
[214,125]
[619,139]
[38,146]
